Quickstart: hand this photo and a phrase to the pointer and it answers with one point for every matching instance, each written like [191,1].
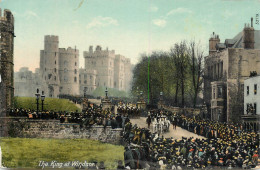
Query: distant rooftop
[238,40]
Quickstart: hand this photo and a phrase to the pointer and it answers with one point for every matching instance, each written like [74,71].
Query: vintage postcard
[129,84]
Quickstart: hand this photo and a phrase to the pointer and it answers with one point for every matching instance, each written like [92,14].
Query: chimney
[251,21]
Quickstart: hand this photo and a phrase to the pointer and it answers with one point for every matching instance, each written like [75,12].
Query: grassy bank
[49,104]
[25,153]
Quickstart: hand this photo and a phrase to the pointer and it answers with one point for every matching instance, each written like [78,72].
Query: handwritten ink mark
[80,4]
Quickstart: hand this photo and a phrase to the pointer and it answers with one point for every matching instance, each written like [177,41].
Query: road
[177,133]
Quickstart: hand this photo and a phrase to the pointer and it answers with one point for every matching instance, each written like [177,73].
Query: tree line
[176,73]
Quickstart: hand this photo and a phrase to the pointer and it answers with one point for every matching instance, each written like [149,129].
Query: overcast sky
[130,27]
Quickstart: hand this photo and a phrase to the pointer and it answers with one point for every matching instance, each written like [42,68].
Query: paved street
[176,134]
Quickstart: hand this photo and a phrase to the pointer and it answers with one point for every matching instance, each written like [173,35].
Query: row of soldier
[231,150]
[130,110]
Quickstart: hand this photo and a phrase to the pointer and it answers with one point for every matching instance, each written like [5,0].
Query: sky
[130,27]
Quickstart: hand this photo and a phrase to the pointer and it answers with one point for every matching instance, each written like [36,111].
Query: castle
[108,69]
[59,72]
[226,67]
[6,61]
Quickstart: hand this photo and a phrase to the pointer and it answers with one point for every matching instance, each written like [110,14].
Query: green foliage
[49,104]
[27,153]
[100,91]
[170,73]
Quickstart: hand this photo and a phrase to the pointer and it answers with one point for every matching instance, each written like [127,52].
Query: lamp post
[141,95]
[37,100]
[85,94]
[106,92]
[42,98]
[161,94]
[161,100]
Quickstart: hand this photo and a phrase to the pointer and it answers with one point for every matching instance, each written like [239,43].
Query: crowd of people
[92,116]
[226,146]
[129,109]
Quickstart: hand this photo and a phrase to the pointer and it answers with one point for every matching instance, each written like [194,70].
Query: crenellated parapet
[7,16]
[69,50]
[51,38]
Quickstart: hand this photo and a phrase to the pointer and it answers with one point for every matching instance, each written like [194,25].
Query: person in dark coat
[128,157]
[148,121]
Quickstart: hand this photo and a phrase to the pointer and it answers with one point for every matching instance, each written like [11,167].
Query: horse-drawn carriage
[160,124]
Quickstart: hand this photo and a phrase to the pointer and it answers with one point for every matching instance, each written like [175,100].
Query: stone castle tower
[103,62]
[49,64]
[6,56]
[69,71]
[59,68]
[112,70]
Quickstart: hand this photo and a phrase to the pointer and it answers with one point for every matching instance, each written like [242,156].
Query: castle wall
[87,80]
[119,81]
[128,74]
[30,128]
[69,71]
[26,82]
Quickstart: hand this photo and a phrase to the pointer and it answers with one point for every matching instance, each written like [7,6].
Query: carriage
[160,125]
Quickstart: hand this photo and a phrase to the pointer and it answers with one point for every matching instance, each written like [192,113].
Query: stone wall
[33,128]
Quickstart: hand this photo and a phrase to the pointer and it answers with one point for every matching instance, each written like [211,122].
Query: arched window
[75,71]
[75,79]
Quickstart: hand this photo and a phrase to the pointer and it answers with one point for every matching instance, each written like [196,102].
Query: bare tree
[196,57]
[180,59]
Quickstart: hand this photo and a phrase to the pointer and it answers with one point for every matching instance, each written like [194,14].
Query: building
[112,70]
[26,82]
[59,68]
[226,67]
[59,72]
[251,117]
[87,81]
[6,56]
